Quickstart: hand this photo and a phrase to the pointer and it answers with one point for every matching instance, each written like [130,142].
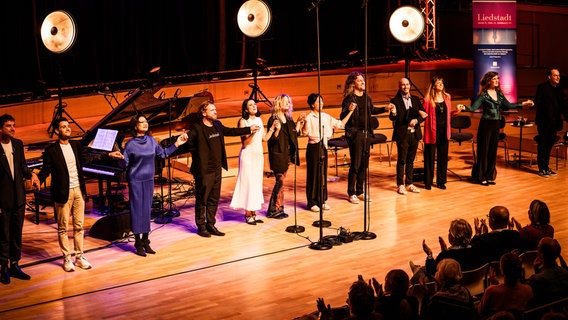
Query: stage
[263,271]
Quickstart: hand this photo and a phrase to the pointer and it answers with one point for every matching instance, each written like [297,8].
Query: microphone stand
[323,243]
[295,228]
[366,234]
[166,216]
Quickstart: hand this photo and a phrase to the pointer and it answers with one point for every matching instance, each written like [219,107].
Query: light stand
[254,18]
[58,34]
[366,234]
[406,24]
[323,243]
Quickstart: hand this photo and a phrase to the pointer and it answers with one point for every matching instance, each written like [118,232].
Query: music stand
[58,34]
[254,19]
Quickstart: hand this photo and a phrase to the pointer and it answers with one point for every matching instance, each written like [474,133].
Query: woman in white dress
[248,189]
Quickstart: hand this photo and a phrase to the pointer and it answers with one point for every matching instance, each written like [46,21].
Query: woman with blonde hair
[282,149]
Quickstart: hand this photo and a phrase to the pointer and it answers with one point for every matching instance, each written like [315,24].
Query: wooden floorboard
[262,271]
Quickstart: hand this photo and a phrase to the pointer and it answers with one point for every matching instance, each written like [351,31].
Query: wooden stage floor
[262,271]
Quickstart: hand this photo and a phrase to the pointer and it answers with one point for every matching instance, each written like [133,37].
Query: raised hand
[377,286]
[516,223]
[426,249]
[443,245]
[325,311]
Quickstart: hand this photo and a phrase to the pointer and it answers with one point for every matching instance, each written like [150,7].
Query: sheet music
[104,140]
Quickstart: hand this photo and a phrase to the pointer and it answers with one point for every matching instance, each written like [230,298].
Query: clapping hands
[480,226]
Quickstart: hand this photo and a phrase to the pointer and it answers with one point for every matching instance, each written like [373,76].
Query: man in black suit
[406,115]
[13,171]
[550,102]
[62,160]
[206,140]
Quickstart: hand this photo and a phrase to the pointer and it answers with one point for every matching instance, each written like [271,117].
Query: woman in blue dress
[139,156]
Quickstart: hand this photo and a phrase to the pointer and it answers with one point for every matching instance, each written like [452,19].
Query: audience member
[550,283]
[394,303]
[451,300]
[500,240]
[530,235]
[361,303]
[459,236]
[512,296]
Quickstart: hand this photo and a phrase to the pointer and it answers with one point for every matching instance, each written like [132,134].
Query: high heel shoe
[250,220]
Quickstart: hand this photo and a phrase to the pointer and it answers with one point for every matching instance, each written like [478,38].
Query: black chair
[475,280]
[335,145]
[460,123]
[42,198]
[559,305]
[503,138]
[527,261]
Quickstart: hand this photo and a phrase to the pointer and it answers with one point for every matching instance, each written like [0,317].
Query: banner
[495,43]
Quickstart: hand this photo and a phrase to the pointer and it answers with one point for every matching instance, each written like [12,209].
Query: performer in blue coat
[139,156]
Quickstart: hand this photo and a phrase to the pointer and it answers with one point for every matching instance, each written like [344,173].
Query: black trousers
[359,153]
[407,147]
[207,194]
[487,142]
[316,177]
[11,226]
[546,140]
[439,151]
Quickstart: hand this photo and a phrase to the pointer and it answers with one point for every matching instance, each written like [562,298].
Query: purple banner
[495,43]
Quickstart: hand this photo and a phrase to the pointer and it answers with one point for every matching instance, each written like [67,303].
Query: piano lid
[157,111]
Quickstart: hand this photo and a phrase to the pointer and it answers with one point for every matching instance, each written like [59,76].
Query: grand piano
[174,113]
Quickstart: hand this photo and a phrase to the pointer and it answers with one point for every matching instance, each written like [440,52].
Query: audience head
[498,218]
[548,250]
[511,268]
[539,213]
[460,233]
[448,273]
[552,315]
[397,283]
[502,315]
[361,299]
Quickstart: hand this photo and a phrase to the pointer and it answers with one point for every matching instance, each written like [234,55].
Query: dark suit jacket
[54,165]
[13,194]
[550,106]
[403,117]
[198,144]
[491,246]
[284,148]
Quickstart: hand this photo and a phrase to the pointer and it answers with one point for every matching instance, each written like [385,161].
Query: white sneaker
[315,209]
[362,197]
[82,262]
[353,199]
[68,265]
[325,206]
[412,188]
[401,189]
